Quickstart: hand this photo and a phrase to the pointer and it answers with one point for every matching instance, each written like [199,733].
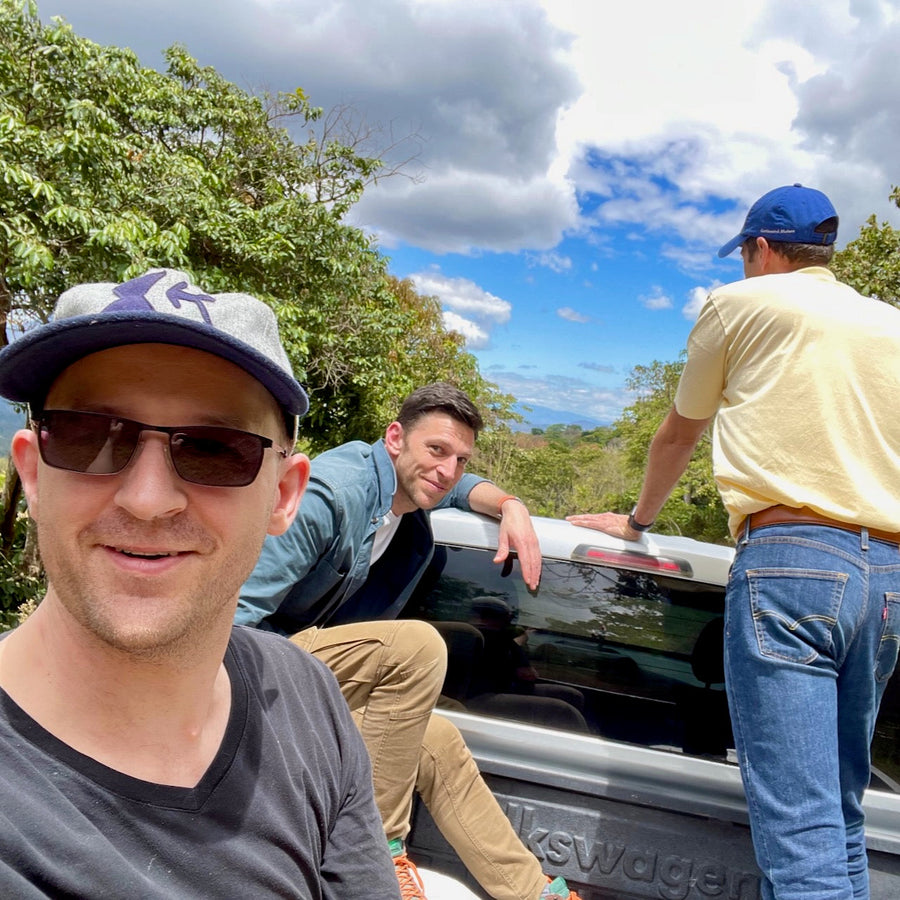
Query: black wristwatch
[635,525]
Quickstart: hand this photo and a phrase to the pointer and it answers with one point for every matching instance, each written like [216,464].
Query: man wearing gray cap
[150,749]
[801,375]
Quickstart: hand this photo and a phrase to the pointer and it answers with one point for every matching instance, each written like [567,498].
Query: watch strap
[637,526]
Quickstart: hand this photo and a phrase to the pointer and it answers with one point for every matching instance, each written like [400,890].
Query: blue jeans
[812,630]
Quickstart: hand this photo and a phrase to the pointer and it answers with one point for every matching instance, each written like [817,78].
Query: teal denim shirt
[305,575]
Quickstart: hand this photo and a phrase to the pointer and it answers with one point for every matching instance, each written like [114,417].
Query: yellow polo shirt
[803,376]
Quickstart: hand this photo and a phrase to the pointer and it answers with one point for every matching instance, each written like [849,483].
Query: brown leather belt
[788,515]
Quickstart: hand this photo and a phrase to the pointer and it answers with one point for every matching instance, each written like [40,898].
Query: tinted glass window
[621,654]
[886,745]
[625,655]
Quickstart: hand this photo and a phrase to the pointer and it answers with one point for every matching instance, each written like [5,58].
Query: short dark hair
[811,254]
[440,397]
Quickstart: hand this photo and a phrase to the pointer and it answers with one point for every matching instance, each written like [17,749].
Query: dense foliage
[108,168]
[694,507]
[565,470]
[871,262]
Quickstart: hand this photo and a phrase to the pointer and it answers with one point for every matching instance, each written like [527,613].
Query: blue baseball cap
[791,214]
[159,307]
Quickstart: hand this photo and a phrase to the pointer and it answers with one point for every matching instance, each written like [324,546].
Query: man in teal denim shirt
[336,581]
[309,577]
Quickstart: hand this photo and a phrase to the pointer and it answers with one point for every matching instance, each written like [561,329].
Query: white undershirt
[383,535]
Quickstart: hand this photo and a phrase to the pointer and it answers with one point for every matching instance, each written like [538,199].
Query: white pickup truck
[596,710]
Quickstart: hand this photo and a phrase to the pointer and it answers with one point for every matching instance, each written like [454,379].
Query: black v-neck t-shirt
[285,809]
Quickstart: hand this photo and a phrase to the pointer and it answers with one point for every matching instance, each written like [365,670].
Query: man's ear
[288,492]
[772,261]
[25,456]
[393,439]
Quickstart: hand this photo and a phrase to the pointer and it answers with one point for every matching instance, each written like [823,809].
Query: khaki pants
[391,674]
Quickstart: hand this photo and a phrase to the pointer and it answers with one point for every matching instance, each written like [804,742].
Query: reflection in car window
[618,646]
[625,655]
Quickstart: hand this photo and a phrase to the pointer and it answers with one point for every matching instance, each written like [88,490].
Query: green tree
[544,477]
[371,355]
[564,434]
[694,508]
[600,475]
[556,473]
[108,168]
[871,262]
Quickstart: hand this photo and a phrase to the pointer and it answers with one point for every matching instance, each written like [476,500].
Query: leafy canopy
[108,168]
[871,262]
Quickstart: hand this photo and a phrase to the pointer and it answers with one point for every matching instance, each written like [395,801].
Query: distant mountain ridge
[543,416]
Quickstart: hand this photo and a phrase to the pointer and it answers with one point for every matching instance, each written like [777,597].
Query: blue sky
[563,328]
[572,166]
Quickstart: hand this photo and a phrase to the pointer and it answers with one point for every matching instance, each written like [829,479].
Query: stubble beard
[412,487]
[177,623]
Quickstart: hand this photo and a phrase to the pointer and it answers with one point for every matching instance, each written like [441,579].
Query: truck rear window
[626,655]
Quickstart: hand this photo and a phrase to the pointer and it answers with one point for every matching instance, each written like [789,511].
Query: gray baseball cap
[159,307]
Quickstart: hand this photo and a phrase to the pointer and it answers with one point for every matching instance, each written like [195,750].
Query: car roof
[559,539]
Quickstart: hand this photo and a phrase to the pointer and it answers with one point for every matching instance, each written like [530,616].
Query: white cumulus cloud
[468,308]
[657,299]
[476,337]
[572,315]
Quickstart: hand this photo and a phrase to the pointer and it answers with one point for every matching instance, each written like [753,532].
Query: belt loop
[863,538]
[745,530]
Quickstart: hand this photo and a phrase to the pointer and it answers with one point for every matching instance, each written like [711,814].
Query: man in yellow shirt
[801,375]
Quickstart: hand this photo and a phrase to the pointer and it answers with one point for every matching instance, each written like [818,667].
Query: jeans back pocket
[795,611]
[886,659]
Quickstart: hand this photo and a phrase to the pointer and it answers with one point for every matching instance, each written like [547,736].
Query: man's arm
[516,531]
[670,452]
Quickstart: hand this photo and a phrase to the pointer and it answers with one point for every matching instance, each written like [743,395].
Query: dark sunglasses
[100,444]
